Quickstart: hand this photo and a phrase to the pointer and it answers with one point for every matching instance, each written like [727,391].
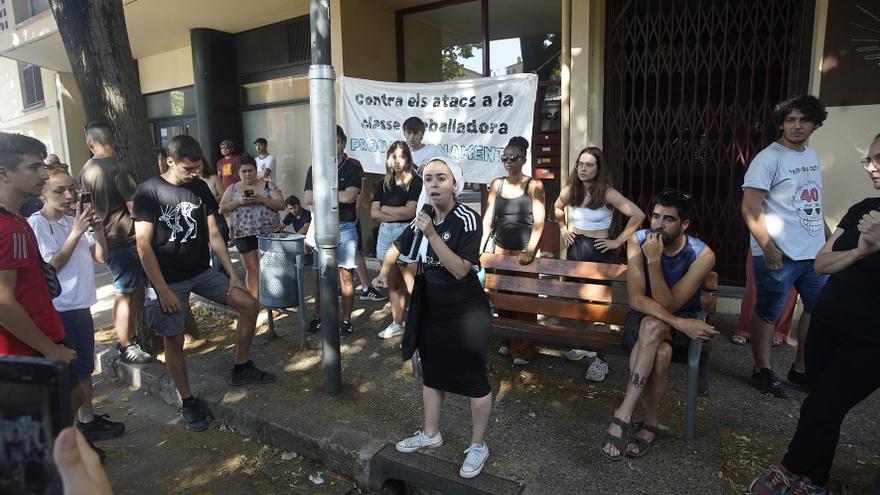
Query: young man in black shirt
[175,220]
[297,216]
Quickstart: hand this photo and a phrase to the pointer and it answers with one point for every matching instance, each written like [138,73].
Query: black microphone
[417,240]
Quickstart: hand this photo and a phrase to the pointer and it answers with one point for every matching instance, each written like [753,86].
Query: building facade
[677,92]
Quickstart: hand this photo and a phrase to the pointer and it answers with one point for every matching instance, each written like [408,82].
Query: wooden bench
[572,296]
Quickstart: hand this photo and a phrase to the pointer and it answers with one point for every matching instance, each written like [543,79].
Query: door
[690,87]
[165,129]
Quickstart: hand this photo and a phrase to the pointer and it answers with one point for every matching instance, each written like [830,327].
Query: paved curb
[340,448]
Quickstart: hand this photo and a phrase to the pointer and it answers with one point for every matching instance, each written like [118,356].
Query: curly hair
[809,105]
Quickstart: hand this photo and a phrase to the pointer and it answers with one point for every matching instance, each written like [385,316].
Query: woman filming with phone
[253,205]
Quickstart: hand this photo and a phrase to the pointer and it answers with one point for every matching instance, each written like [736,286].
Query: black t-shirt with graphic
[305,217]
[179,215]
[850,300]
[398,195]
[461,231]
[350,174]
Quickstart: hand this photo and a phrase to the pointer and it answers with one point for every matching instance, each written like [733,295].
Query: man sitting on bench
[665,272]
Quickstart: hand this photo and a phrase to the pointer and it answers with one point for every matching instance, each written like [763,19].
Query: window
[275,90]
[25,9]
[31,85]
[443,44]
[173,103]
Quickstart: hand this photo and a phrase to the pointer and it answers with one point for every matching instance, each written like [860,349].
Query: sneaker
[798,378]
[765,381]
[345,329]
[419,441]
[248,373]
[597,371]
[193,417]
[578,354]
[101,428]
[392,330]
[475,460]
[102,456]
[133,354]
[314,325]
[371,294]
[805,486]
[775,481]
[520,361]
[504,350]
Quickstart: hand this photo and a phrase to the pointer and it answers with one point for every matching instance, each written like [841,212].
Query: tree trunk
[96,40]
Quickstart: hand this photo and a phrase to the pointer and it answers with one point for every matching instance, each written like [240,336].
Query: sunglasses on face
[510,158]
[676,194]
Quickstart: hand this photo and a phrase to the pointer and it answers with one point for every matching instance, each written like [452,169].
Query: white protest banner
[471,120]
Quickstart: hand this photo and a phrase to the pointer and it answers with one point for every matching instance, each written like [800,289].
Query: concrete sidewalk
[547,421]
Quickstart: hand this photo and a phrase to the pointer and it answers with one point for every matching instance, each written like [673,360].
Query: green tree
[450,56]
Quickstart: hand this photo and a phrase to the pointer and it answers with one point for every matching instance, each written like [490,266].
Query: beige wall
[586,74]
[167,70]
[841,143]
[368,40]
[72,120]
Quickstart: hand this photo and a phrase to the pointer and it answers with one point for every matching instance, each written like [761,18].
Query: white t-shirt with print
[77,276]
[793,208]
[264,163]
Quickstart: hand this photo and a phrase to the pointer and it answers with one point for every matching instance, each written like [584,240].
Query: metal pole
[322,109]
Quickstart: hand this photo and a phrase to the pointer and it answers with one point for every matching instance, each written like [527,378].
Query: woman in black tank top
[517,221]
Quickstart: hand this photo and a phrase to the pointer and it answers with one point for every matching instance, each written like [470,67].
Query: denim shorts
[79,335]
[347,248]
[388,233]
[209,284]
[125,266]
[772,286]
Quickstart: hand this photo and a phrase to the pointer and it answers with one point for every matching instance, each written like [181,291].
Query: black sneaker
[765,381]
[193,417]
[133,354]
[798,378]
[102,456]
[314,326]
[345,329]
[101,428]
[248,373]
[371,294]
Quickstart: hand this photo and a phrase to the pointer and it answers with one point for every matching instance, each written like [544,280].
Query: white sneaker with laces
[392,330]
[578,354]
[504,350]
[597,371]
[419,441]
[475,460]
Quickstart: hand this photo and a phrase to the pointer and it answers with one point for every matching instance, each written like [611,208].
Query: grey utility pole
[322,107]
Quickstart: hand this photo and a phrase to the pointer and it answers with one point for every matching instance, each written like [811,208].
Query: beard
[668,238]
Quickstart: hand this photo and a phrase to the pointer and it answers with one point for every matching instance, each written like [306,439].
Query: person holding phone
[71,244]
[252,204]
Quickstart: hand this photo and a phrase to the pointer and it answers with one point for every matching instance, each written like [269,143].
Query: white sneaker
[419,441]
[578,354]
[504,350]
[597,371]
[392,330]
[476,458]
[520,361]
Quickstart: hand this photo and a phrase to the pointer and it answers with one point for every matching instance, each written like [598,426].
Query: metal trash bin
[279,273]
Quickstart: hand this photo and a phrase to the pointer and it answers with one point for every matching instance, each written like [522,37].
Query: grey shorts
[209,284]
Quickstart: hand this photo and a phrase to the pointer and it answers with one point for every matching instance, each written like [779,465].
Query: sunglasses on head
[675,194]
[510,158]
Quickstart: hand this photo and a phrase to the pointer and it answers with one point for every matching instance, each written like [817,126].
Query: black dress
[454,331]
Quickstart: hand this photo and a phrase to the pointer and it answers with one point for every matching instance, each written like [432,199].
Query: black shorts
[680,342]
[246,244]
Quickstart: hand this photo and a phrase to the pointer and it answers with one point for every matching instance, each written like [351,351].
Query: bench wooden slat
[608,342]
[559,308]
[545,266]
[557,288]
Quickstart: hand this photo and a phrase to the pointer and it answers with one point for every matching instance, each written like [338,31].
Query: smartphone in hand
[36,407]
[85,197]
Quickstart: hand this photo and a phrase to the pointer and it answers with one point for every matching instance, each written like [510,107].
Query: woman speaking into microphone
[452,320]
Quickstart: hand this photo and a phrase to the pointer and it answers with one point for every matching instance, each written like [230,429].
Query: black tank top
[513,219]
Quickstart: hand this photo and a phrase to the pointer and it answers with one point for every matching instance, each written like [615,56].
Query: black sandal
[643,445]
[618,443]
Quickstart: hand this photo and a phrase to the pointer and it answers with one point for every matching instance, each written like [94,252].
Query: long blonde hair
[390,176]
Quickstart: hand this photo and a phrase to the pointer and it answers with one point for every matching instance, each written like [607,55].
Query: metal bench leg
[694,350]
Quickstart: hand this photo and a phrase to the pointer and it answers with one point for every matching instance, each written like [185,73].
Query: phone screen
[36,407]
[84,197]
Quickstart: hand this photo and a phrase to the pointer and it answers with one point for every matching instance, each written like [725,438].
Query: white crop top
[590,218]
